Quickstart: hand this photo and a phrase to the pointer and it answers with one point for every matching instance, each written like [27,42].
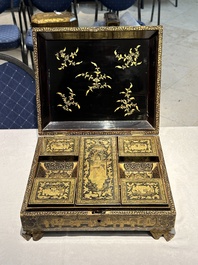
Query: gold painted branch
[68,101]
[130,59]
[68,59]
[127,104]
[97,79]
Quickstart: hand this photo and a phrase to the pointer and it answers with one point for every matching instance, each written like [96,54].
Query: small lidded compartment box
[98,165]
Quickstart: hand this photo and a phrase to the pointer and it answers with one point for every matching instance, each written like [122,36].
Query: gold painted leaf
[79,63]
[78,75]
[137,108]
[94,64]
[69,89]
[116,109]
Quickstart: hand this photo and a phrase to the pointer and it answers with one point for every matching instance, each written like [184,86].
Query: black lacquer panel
[75,81]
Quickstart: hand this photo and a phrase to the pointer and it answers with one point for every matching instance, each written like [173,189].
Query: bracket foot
[35,235]
[167,234]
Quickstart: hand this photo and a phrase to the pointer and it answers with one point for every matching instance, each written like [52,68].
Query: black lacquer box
[98,164]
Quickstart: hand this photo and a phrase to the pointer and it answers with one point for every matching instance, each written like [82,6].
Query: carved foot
[26,235]
[35,235]
[168,234]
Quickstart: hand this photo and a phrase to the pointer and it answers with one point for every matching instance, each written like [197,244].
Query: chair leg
[96,11]
[29,55]
[32,59]
[152,12]
[176,3]
[142,4]
[75,10]
[24,57]
[139,9]
[30,9]
[159,12]
[25,19]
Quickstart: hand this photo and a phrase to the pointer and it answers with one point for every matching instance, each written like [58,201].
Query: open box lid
[98,80]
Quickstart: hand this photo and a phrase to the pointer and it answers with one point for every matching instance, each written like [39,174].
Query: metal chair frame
[23,121]
[12,8]
[159,9]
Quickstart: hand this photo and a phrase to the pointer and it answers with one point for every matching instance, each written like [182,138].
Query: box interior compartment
[98,176]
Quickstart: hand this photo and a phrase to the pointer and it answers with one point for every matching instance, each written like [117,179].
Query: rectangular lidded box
[98,164]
